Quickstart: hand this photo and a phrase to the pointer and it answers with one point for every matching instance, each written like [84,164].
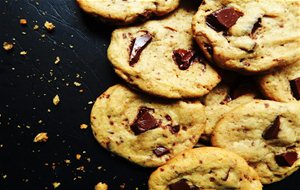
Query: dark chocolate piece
[272,131]
[295,87]
[256,26]
[181,185]
[223,19]
[137,46]
[174,129]
[286,159]
[183,58]
[144,121]
[160,151]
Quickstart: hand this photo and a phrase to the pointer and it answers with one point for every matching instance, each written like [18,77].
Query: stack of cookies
[227,74]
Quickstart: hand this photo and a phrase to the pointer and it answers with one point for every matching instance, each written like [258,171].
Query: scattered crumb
[43,35]
[56,100]
[49,26]
[71,46]
[122,186]
[90,102]
[78,156]
[4,176]
[83,126]
[101,186]
[80,168]
[56,184]
[23,21]
[57,60]
[23,53]
[7,46]
[77,84]
[36,27]
[41,137]
[68,161]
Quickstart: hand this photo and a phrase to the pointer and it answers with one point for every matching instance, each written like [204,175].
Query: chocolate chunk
[183,58]
[137,46]
[174,129]
[286,159]
[256,26]
[181,185]
[295,87]
[160,151]
[272,131]
[223,19]
[144,121]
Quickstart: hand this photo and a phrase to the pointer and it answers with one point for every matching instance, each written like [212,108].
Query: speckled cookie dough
[126,12]
[224,98]
[249,36]
[282,85]
[145,130]
[160,58]
[205,168]
[266,134]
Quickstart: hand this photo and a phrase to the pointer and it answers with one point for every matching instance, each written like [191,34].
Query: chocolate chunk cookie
[145,130]
[125,12]
[266,134]
[159,57]
[249,36]
[283,84]
[224,98]
[205,168]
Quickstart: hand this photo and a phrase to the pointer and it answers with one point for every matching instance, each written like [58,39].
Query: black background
[28,84]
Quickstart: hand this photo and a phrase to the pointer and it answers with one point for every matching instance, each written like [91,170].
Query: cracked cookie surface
[266,134]
[126,12]
[205,168]
[249,36]
[145,130]
[160,57]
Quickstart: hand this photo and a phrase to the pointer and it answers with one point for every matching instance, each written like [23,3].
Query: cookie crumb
[78,156]
[101,186]
[36,27]
[56,100]
[67,161]
[7,46]
[41,137]
[77,84]
[23,21]
[57,60]
[49,26]
[23,53]
[83,126]
[56,184]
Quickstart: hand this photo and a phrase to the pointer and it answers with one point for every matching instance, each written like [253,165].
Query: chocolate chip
[295,87]
[223,19]
[181,185]
[160,151]
[144,121]
[256,26]
[286,159]
[168,117]
[183,58]
[137,46]
[272,131]
[174,129]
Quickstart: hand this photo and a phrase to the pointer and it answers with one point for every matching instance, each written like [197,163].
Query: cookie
[224,98]
[145,130]
[126,12]
[249,36]
[159,58]
[282,85]
[266,134]
[205,168]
